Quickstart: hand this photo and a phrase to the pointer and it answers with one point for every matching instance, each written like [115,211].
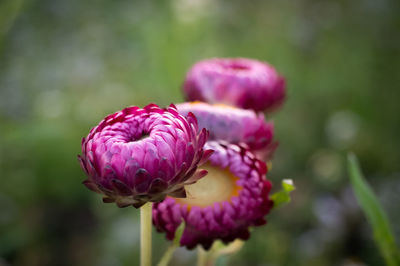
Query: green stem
[167,255]
[145,234]
[202,257]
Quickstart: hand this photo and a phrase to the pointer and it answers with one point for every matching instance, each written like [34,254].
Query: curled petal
[223,204]
[241,82]
[233,125]
[141,154]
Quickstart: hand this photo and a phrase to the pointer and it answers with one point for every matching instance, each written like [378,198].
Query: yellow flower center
[217,186]
[222,105]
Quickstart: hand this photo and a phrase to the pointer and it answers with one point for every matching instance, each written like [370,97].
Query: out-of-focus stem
[166,258]
[145,234]
[202,257]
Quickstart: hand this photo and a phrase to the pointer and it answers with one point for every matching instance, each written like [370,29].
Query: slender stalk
[145,234]
[166,258]
[174,245]
[202,257]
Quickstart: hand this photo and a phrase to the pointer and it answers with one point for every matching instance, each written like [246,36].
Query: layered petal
[234,125]
[223,205]
[240,82]
[142,154]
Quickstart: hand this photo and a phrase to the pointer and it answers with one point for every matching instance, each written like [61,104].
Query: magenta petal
[180,193]
[240,82]
[231,124]
[196,176]
[167,168]
[90,185]
[158,185]
[202,137]
[118,164]
[83,165]
[121,187]
[225,220]
[140,154]
[131,167]
[141,181]
[206,156]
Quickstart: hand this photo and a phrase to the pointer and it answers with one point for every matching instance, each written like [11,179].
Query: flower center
[236,66]
[218,186]
[143,136]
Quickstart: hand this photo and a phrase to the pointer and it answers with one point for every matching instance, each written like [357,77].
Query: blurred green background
[64,65]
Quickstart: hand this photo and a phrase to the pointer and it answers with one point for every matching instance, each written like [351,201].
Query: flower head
[222,205]
[143,154]
[233,125]
[241,82]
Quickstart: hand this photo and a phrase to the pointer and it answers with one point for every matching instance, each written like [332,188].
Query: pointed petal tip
[196,176]
[137,205]
[121,187]
[108,200]
[206,155]
[180,193]
[192,118]
[122,204]
[90,185]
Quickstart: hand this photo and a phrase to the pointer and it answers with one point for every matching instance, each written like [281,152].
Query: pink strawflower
[233,125]
[143,154]
[222,205]
[241,82]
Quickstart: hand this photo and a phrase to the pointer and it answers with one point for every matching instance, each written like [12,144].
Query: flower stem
[145,234]
[202,257]
[166,258]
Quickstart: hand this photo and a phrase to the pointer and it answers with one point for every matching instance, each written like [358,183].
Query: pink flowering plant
[202,163]
[222,205]
[139,155]
[234,125]
[241,82]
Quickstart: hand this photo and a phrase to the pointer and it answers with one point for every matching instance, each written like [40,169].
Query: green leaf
[179,233]
[283,196]
[374,212]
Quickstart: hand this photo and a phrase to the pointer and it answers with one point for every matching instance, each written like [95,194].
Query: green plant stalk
[166,258]
[202,257]
[220,252]
[374,212]
[145,234]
